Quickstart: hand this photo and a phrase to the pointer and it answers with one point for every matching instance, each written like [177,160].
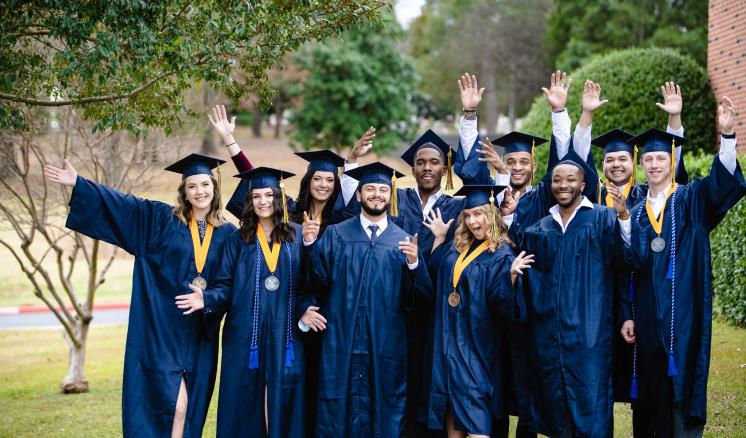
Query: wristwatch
[623,215]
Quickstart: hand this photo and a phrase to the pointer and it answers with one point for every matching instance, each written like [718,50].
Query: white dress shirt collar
[554,211]
[365,222]
[430,201]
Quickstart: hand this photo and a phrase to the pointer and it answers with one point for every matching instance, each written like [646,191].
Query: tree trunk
[511,103]
[75,381]
[278,115]
[256,124]
[207,142]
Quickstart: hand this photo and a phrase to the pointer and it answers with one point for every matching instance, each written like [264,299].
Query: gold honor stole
[454,299]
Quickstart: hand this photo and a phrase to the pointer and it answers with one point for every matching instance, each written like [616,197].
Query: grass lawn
[34,363]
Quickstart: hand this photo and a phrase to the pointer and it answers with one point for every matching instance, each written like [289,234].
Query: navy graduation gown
[163,345]
[241,395]
[570,296]
[699,207]
[368,287]
[464,354]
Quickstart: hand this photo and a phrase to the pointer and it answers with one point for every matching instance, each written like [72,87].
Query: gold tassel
[533,160]
[284,202]
[493,226]
[600,189]
[449,170]
[673,161]
[220,185]
[634,168]
[394,200]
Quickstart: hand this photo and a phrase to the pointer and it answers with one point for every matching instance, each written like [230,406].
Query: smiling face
[262,200]
[374,198]
[520,167]
[567,184]
[199,191]
[657,167]
[618,167]
[322,185]
[428,169]
[476,221]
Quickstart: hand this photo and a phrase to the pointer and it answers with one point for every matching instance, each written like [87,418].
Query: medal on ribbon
[658,244]
[454,299]
[271,257]
[200,251]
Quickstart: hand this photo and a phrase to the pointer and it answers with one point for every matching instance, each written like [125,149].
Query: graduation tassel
[493,226]
[634,168]
[284,202]
[633,393]
[289,355]
[449,170]
[254,357]
[673,370]
[600,189]
[394,210]
[220,183]
[673,161]
[533,160]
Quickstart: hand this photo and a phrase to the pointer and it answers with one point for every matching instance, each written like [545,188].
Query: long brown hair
[250,221]
[497,236]
[305,200]
[183,208]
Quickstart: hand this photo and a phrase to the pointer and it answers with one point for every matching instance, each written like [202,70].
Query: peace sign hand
[491,156]
[310,228]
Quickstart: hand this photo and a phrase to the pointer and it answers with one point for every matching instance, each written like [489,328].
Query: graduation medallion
[271,283]
[658,244]
[454,299]
[199,282]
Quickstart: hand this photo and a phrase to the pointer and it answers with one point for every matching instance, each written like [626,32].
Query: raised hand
[592,96]
[491,156]
[628,331]
[510,201]
[435,222]
[409,248]
[362,146]
[65,176]
[313,319]
[557,92]
[310,228]
[471,94]
[192,302]
[672,100]
[520,263]
[726,116]
[620,202]
[222,125]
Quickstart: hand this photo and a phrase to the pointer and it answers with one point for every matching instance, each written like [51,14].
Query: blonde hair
[497,234]
[183,208]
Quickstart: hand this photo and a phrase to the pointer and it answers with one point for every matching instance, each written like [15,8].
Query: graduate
[620,155]
[474,285]
[670,320]
[570,297]
[430,158]
[258,285]
[368,270]
[170,358]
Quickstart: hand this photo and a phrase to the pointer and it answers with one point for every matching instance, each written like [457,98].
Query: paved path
[47,319]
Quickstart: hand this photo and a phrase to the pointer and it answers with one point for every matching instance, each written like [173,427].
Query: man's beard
[572,200]
[374,211]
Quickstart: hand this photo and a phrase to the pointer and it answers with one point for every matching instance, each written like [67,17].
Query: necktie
[373,232]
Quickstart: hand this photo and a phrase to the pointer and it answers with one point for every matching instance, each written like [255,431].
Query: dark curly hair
[305,200]
[250,221]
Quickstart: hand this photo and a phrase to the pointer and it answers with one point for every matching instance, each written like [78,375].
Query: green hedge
[631,80]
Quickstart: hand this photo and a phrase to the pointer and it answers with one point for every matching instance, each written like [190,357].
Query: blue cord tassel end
[289,355]
[669,274]
[633,394]
[672,369]
[254,357]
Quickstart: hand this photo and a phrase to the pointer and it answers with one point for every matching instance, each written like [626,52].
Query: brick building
[726,57]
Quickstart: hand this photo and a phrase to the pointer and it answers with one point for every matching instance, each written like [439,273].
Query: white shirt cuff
[508,219]
[502,179]
[561,131]
[308,243]
[467,134]
[626,229]
[304,328]
[679,132]
[727,153]
[348,183]
[413,266]
[582,141]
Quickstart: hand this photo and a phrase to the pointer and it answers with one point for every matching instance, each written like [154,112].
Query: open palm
[556,94]
[220,122]
[672,100]
[471,94]
[65,176]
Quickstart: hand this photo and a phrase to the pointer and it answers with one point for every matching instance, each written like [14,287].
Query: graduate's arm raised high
[225,128]
[103,213]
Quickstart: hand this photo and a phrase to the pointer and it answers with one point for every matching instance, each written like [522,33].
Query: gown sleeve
[241,162]
[714,195]
[505,298]
[469,168]
[120,219]
[218,297]
[318,259]
[419,288]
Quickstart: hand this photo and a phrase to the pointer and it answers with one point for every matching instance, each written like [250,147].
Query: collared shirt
[382,225]
[626,224]
[430,202]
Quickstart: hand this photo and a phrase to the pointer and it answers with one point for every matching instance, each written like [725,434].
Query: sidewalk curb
[15,310]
